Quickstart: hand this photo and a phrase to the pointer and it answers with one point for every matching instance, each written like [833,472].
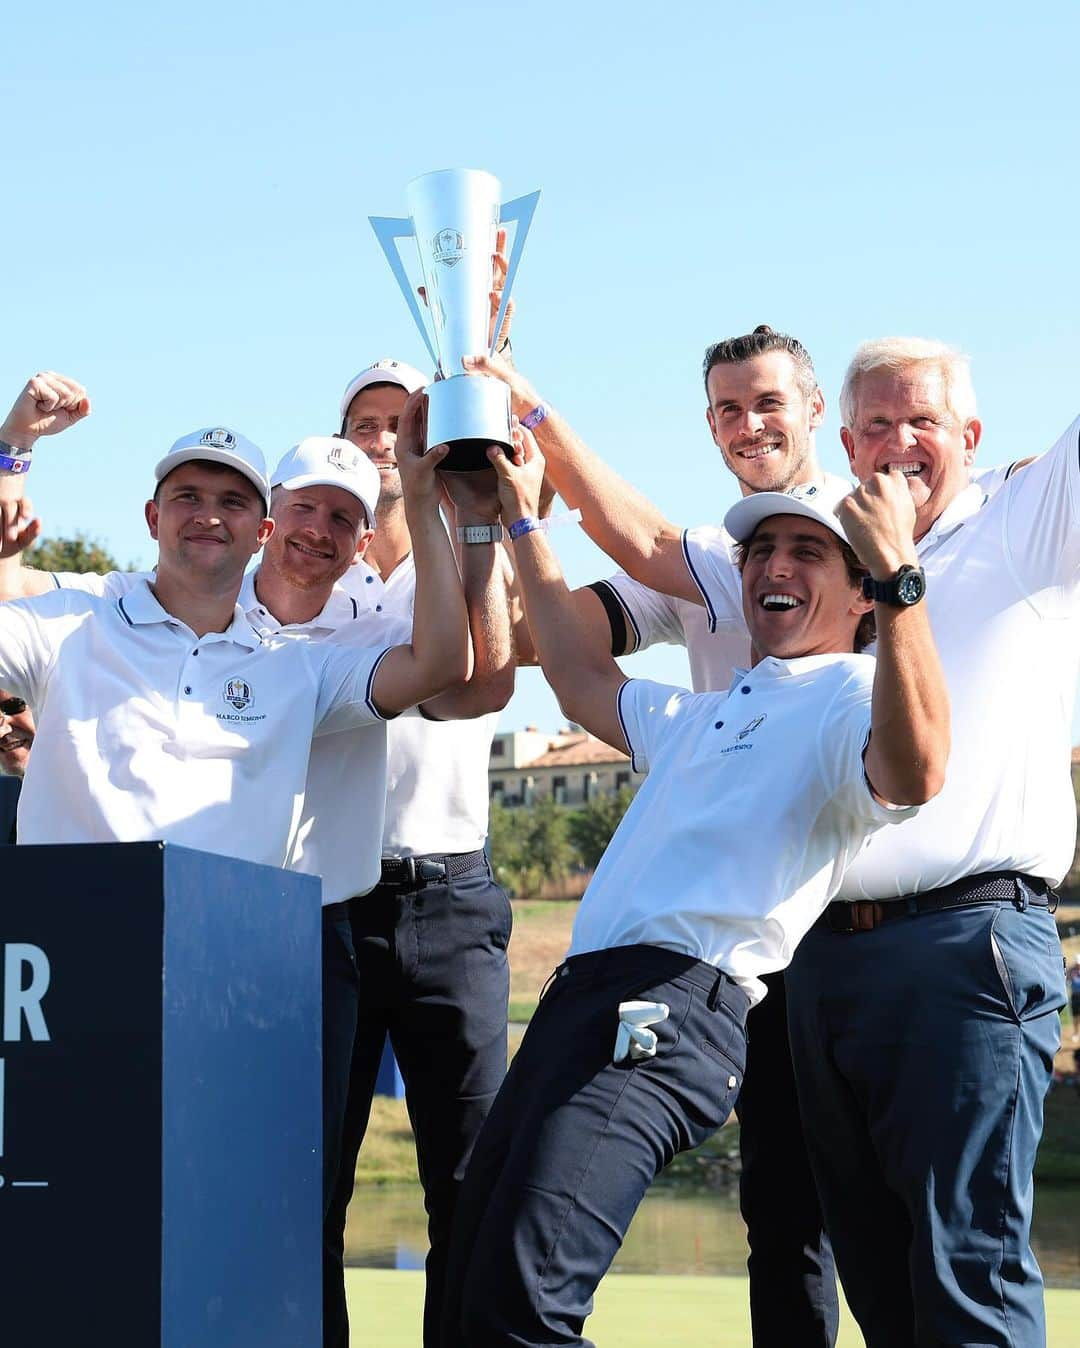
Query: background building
[570,767]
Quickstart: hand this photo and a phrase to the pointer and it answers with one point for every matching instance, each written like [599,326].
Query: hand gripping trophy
[454,215]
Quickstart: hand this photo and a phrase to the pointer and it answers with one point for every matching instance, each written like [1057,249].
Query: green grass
[632,1311]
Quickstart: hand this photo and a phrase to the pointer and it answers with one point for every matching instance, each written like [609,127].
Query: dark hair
[734,350]
[379,383]
[866,630]
[211,466]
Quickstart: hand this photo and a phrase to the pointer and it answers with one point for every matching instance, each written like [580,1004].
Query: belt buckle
[410,872]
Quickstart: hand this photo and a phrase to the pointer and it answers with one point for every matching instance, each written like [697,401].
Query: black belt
[415,872]
[990,887]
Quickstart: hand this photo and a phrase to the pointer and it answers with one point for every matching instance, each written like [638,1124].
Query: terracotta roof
[572,751]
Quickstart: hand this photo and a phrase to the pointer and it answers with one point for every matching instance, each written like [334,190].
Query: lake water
[674,1232]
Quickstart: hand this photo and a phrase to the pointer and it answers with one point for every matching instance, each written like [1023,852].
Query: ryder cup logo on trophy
[454,216]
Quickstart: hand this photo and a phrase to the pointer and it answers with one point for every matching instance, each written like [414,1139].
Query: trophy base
[468,412]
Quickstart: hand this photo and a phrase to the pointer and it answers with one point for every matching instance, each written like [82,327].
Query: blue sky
[187,191]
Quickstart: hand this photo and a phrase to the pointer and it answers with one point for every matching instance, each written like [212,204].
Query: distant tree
[80,553]
[530,845]
[590,827]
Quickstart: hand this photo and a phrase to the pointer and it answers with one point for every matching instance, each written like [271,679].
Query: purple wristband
[10,465]
[526,525]
[535,417]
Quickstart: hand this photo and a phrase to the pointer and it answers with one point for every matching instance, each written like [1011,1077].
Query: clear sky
[187,190]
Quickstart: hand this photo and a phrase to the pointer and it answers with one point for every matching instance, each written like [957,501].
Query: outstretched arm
[486,578]
[909,737]
[585,679]
[615,515]
[439,653]
[48,404]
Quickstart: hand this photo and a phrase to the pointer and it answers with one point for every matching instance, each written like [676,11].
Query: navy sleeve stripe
[622,722]
[697,581]
[369,696]
[617,616]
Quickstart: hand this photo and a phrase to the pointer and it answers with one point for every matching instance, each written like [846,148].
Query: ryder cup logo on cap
[327,461]
[813,500]
[218,444]
[383,372]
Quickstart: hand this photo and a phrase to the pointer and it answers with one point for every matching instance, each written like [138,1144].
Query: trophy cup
[454,215]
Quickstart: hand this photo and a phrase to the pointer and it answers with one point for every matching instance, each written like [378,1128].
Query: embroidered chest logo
[238,694]
[750,727]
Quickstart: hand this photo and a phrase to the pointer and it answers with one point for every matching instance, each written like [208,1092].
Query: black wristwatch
[907,587]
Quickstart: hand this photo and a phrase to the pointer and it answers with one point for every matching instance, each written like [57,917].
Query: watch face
[910,587]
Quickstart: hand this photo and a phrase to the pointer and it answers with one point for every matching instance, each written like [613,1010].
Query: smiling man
[764,409]
[924,1007]
[754,802]
[427,864]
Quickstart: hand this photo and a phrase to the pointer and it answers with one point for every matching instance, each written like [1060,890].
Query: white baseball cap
[383,372]
[813,500]
[219,445]
[327,461]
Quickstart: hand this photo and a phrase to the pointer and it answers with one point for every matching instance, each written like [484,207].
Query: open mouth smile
[779,603]
[909,467]
[306,551]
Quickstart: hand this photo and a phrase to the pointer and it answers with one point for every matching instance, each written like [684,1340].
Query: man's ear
[817,409]
[362,545]
[151,513]
[712,425]
[972,436]
[848,441]
[266,528]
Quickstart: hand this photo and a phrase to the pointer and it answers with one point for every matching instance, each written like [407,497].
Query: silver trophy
[453,216]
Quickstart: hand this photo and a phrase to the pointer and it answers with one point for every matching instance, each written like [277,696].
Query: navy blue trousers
[339,1003]
[433,974]
[793,1297]
[923,1051]
[574,1141]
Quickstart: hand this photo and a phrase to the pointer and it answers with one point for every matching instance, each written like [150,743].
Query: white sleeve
[989,480]
[1042,524]
[112,586]
[711,562]
[31,631]
[843,735]
[653,617]
[646,712]
[345,678]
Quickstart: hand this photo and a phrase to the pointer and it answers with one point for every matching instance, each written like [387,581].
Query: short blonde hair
[900,353]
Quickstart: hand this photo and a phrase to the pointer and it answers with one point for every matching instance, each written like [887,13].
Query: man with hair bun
[764,407]
[924,1004]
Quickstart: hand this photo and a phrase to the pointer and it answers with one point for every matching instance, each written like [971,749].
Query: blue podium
[160,1100]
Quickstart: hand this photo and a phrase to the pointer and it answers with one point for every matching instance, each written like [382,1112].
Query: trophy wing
[520,211]
[388,230]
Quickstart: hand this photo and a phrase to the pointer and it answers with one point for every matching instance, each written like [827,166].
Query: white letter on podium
[20,1001]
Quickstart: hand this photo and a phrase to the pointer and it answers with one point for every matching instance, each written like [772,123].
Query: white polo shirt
[437,771]
[654,618]
[755,801]
[145,731]
[1003,574]
[339,828]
